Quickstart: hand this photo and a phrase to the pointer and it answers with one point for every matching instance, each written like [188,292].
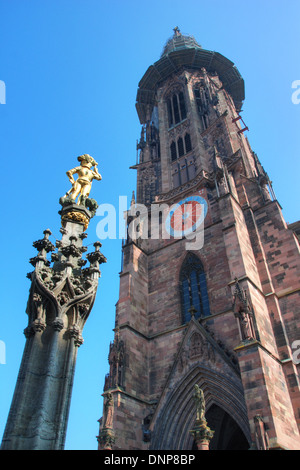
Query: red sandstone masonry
[245,237]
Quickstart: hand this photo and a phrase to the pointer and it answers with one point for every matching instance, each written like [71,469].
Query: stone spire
[61,297]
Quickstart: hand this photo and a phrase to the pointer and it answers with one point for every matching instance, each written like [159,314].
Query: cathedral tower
[61,297]
[209,287]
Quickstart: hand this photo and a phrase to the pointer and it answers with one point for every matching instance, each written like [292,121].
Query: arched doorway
[227,434]
[226,413]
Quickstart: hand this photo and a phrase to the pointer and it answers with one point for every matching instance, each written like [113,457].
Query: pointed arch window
[193,288]
[202,100]
[173,151]
[188,143]
[170,112]
[180,147]
[176,108]
[182,106]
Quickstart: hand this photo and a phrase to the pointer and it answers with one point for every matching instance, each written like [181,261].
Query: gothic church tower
[223,314]
[61,297]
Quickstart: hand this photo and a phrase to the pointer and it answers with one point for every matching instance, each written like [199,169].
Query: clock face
[186,216]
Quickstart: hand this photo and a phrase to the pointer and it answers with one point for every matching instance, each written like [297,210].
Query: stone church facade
[223,315]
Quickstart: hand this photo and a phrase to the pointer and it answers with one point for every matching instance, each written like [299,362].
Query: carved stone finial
[43,247]
[132,203]
[96,257]
[192,310]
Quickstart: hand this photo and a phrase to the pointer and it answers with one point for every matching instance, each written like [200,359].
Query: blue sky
[71,70]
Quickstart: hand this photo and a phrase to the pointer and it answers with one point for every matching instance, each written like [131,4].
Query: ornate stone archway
[177,415]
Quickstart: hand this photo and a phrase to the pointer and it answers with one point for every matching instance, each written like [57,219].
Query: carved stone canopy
[62,294]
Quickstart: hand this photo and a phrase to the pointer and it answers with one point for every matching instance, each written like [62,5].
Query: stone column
[61,297]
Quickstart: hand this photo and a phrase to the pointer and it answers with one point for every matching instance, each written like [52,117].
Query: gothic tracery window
[180,147]
[202,101]
[188,143]
[173,151]
[193,288]
[176,108]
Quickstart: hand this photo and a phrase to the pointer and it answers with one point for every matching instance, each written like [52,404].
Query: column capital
[202,433]
[106,439]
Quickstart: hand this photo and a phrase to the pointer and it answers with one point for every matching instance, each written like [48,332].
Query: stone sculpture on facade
[106,436]
[243,312]
[201,432]
[199,402]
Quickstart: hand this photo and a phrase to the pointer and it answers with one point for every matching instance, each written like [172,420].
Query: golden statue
[82,186]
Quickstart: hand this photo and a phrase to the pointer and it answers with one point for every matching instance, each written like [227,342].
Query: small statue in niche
[243,312]
[109,408]
[245,325]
